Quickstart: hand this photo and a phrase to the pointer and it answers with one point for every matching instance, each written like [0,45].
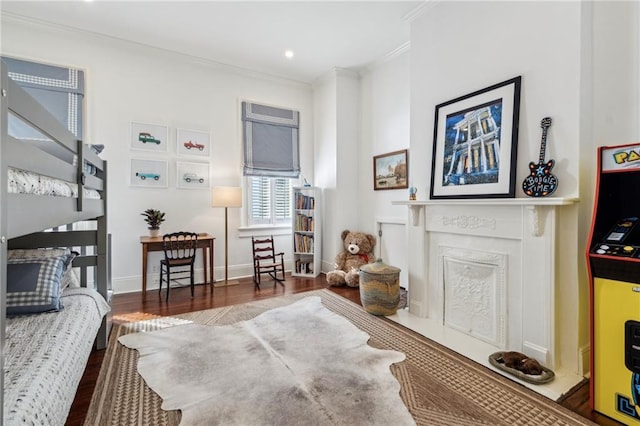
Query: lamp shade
[226,196]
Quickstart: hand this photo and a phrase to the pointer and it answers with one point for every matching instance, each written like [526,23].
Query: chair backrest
[180,245]
[263,248]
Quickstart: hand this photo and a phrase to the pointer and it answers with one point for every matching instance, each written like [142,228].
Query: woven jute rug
[438,386]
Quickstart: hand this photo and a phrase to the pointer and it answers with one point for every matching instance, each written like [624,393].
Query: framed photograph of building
[192,175]
[193,142]
[390,171]
[475,144]
[149,173]
[149,137]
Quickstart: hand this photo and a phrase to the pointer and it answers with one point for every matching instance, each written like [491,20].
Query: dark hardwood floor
[180,301]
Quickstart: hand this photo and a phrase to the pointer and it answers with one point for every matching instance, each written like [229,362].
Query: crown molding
[209,63]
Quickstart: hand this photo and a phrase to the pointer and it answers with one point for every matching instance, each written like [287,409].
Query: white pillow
[70,279]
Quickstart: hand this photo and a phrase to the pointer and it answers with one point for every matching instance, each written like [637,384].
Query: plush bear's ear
[372,240]
[344,234]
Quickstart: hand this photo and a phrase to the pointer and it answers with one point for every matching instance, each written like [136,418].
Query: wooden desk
[205,241]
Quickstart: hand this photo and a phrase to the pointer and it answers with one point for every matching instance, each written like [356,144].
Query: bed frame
[25,217]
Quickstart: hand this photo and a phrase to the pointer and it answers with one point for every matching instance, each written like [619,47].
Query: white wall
[384,100]
[337,127]
[325,150]
[461,47]
[581,70]
[129,82]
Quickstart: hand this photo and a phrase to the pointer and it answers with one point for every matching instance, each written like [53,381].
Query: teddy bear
[358,251]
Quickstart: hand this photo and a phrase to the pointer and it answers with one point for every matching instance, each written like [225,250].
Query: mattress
[24,182]
[45,358]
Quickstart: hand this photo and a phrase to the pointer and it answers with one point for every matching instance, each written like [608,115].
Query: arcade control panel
[617,241]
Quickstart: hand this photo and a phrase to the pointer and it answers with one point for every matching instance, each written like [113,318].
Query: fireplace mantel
[533,205]
[487,242]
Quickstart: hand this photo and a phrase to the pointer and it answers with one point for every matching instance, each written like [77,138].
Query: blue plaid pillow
[33,285]
[69,278]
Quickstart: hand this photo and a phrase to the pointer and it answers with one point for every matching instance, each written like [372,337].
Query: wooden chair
[179,258]
[266,260]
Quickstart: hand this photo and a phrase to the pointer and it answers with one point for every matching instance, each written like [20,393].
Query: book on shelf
[305,202]
[304,222]
[304,267]
[303,243]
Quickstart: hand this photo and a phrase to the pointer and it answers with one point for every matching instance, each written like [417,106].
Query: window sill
[261,230]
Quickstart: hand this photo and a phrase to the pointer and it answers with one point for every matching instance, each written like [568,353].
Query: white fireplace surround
[488,277]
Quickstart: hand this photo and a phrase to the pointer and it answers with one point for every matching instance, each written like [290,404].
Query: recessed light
[288,54]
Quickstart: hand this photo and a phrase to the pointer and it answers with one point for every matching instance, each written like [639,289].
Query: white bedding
[45,358]
[23,182]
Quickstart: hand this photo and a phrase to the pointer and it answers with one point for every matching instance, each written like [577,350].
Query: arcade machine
[613,259]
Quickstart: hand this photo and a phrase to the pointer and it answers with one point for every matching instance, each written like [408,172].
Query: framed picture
[149,137]
[193,142]
[475,144]
[149,173]
[192,175]
[390,170]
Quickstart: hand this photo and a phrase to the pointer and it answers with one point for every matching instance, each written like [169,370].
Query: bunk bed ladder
[4,111]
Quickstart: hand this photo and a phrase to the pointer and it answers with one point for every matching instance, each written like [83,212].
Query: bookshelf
[306,225]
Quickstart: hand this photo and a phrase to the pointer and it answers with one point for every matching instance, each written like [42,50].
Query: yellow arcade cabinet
[613,258]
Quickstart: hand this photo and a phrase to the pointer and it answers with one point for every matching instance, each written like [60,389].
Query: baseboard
[537,352]
[227,283]
[416,308]
[133,284]
[584,362]
[327,266]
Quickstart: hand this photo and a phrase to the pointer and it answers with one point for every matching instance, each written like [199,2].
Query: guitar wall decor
[540,182]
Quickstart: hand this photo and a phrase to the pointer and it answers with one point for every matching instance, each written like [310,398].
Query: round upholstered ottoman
[380,288]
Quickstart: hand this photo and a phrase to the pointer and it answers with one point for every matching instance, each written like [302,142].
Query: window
[269,200]
[271,160]
[59,89]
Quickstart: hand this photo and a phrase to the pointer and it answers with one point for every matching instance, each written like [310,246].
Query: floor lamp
[226,196]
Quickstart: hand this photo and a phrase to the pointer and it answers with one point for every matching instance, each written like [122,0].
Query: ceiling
[251,35]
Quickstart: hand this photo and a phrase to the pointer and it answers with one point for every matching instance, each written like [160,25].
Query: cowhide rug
[300,364]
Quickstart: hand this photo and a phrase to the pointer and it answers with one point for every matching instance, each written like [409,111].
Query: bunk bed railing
[26,220]
[24,213]
[55,156]
[58,155]
[94,248]
[28,156]
[29,110]
[4,111]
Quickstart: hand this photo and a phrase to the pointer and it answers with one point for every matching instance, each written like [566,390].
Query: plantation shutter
[282,199]
[270,200]
[260,193]
[270,139]
[60,90]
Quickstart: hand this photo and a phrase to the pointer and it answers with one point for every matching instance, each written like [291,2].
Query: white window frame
[273,225]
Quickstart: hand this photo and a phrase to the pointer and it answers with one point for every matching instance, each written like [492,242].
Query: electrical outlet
[155,268]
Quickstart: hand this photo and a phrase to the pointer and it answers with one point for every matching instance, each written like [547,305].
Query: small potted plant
[153,218]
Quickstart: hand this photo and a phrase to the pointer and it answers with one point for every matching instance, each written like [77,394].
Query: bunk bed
[44,354]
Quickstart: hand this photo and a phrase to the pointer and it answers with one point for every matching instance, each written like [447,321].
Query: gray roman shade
[270,137]
[60,90]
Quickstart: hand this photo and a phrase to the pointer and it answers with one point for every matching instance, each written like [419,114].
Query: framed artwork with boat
[390,170]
